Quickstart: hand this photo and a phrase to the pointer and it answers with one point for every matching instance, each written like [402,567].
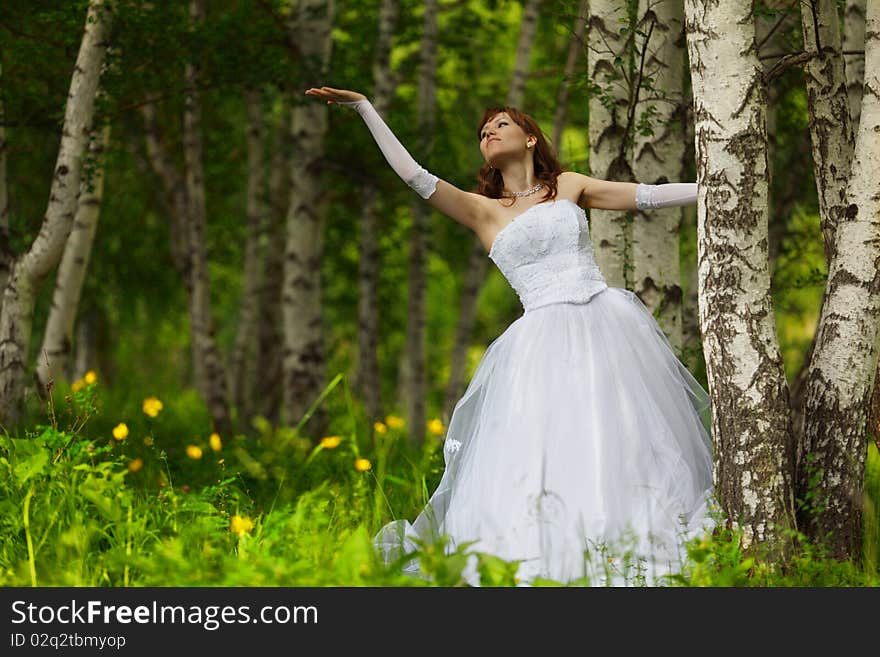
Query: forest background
[241,334]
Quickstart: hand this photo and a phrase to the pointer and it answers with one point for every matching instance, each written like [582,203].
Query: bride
[580,448]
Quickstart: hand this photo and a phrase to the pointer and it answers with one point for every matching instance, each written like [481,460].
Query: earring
[528,145]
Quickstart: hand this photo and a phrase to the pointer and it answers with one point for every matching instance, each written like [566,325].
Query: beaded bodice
[546,255]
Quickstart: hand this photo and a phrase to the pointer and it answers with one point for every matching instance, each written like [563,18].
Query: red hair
[547,166]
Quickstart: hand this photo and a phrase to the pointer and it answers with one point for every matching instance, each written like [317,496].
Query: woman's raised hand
[332,95]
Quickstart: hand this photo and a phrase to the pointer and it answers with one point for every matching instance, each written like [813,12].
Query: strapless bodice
[546,255]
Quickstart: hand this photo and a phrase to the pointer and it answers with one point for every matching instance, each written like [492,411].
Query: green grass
[79,507]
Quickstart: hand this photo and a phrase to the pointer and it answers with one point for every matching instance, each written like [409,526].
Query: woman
[581,447]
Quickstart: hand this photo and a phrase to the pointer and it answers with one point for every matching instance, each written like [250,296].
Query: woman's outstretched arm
[610,195]
[466,208]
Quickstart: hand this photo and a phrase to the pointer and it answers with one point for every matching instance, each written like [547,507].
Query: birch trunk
[270,336]
[658,159]
[368,381]
[575,48]
[28,271]
[750,416]
[831,133]
[478,263]
[243,359]
[6,255]
[52,360]
[528,29]
[845,358]
[609,229]
[208,367]
[854,57]
[303,362]
[414,390]
[173,186]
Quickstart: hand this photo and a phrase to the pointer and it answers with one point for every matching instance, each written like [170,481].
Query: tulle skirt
[580,448]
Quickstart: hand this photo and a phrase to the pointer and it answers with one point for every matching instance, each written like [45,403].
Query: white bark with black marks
[52,360]
[854,57]
[657,158]
[750,416]
[28,271]
[845,358]
[301,301]
[608,64]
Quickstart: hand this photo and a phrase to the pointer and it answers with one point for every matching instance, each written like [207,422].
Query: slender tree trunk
[368,381]
[608,106]
[844,361]
[208,366]
[831,133]
[575,49]
[6,254]
[656,158]
[28,271]
[414,390]
[478,263]
[173,187]
[270,335]
[243,361]
[854,66]
[303,362]
[86,352]
[58,336]
[750,415]
[527,31]
[854,61]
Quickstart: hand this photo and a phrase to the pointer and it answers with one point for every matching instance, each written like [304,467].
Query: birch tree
[6,255]
[658,158]
[367,375]
[413,376]
[572,59]
[303,358]
[52,360]
[608,106]
[243,361]
[270,335]
[29,270]
[832,466]
[751,424]
[209,369]
[854,56]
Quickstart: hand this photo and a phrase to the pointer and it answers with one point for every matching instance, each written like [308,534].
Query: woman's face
[501,138]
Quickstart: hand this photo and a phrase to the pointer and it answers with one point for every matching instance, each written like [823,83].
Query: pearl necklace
[528,192]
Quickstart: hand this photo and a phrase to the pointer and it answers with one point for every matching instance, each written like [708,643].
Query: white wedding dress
[581,446]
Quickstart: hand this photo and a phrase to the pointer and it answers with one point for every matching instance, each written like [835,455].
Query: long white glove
[649,197]
[423,182]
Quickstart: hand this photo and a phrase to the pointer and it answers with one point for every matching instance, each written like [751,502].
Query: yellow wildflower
[194,451]
[215,442]
[90,377]
[152,406]
[120,431]
[135,465]
[362,465]
[394,421]
[435,426]
[380,427]
[329,442]
[148,441]
[241,525]
[76,386]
